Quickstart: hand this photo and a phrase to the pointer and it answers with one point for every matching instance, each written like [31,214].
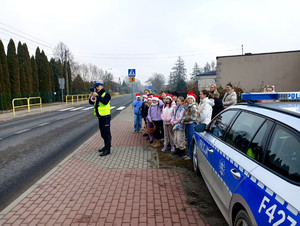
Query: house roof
[255,54]
[209,73]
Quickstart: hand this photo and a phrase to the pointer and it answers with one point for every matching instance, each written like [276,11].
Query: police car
[249,158]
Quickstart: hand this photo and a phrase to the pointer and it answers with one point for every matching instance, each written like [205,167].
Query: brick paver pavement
[123,188]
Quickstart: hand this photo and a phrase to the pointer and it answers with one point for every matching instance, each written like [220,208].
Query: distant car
[249,158]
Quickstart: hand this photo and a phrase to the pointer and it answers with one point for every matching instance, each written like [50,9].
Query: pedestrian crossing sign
[131,79]
[131,72]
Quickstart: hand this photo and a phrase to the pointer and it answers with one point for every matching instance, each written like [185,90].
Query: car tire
[195,160]
[242,219]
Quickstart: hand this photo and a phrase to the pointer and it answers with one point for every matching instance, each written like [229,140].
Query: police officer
[102,110]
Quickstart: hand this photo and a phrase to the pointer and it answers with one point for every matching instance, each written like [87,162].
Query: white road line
[88,108]
[121,108]
[66,109]
[76,109]
[21,131]
[43,124]
[112,107]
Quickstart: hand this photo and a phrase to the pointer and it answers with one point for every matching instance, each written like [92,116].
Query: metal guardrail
[82,96]
[27,105]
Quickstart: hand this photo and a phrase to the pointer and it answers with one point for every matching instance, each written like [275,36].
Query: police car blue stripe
[269,191]
[261,185]
[253,178]
[279,199]
[292,209]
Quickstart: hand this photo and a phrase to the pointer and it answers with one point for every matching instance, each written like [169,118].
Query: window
[283,153]
[243,130]
[255,150]
[220,124]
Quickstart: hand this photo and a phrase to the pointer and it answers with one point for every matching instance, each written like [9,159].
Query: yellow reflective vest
[102,108]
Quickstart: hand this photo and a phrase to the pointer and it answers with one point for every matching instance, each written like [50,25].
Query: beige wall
[252,72]
[204,82]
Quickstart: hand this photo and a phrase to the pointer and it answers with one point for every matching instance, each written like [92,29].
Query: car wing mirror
[200,127]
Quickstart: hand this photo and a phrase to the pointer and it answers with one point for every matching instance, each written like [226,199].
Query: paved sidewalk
[124,188]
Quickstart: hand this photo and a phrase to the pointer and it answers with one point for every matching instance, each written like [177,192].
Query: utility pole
[242,49]
[67,80]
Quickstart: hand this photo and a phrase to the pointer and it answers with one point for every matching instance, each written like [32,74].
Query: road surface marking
[87,108]
[76,109]
[121,108]
[43,124]
[66,109]
[21,131]
[112,107]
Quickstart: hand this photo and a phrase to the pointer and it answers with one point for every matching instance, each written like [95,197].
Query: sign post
[131,75]
[61,82]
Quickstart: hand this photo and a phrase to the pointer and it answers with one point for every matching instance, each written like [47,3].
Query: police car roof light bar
[271,96]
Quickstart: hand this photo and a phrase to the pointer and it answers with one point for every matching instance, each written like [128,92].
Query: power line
[26,34]
[26,38]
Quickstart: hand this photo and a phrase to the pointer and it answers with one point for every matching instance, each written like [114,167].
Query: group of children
[173,118]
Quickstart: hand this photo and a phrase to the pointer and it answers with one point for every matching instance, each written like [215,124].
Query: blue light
[260,96]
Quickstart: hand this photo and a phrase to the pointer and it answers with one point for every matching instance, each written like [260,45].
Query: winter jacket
[104,100]
[190,114]
[154,111]
[137,104]
[177,117]
[144,110]
[229,99]
[217,108]
[205,110]
[167,114]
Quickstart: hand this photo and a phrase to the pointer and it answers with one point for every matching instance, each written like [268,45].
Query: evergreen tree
[35,78]
[44,75]
[57,73]
[196,72]
[6,89]
[178,74]
[13,68]
[23,79]
[27,68]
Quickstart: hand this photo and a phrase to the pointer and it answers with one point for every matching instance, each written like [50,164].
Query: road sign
[61,82]
[149,87]
[131,72]
[131,79]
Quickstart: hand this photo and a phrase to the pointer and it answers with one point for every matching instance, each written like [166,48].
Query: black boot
[106,152]
[180,152]
[102,149]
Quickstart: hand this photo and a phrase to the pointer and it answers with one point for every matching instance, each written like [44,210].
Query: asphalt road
[31,146]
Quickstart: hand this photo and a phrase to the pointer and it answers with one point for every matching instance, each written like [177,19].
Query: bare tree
[157,81]
[62,52]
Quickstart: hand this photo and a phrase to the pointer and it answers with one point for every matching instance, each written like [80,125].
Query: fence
[82,96]
[27,105]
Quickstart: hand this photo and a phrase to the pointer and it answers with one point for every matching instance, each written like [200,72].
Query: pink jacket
[167,114]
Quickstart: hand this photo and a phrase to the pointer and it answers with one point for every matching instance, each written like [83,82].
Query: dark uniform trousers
[104,126]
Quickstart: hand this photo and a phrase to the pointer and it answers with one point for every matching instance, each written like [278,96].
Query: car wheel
[242,219]
[195,160]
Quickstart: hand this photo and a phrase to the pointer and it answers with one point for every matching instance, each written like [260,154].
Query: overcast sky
[149,35]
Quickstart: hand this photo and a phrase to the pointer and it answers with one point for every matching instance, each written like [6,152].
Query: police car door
[215,132]
[231,164]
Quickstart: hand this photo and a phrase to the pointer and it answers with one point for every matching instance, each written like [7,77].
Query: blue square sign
[131,72]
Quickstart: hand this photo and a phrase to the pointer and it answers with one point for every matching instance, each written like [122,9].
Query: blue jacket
[137,106]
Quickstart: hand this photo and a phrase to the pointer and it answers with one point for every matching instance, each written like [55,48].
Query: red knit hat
[169,96]
[155,97]
[138,95]
[191,95]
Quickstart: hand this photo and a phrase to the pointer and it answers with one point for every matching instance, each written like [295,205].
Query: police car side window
[283,153]
[255,150]
[243,130]
[219,125]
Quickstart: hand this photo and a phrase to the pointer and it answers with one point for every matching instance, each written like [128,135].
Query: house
[206,79]
[251,72]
